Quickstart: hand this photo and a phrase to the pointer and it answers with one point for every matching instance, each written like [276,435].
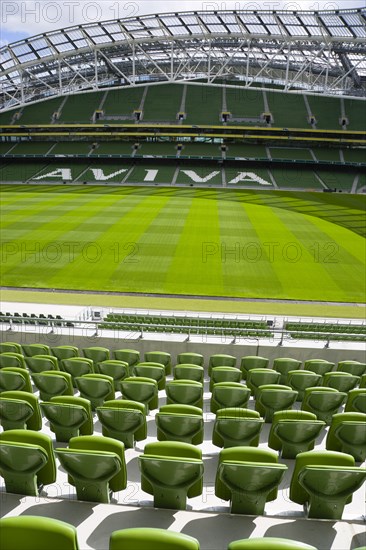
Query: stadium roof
[322,51]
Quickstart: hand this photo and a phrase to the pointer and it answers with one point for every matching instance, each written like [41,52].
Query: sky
[22,18]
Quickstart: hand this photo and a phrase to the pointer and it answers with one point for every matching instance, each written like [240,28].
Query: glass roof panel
[217,28]
[274,29]
[234,28]
[249,18]
[95,31]
[102,39]
[209,19]
[337,31]
[228,18]
[195,28]
[297,31]
[308,19]
[332,20]
[352,19]
[65,47]
[257,29]
[171,21]
[289,19]
[359,31]
[315,31]
[57,38]
[189,19]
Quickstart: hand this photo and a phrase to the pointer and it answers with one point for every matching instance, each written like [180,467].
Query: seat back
[65,352]
[356,401]
[37,533]
[334,443]
[236,427]
[323,401]
[221,360]
[160,357]
[147,369]
[120,409]
[40,363]
[10,346]
[52,383]
[273,441]
[15,378]
[118,370]
[269,543]
[96,354]
[95,387]
[186,371]
[178,422]
[260,377]
[229,394]
[12,359]
[190,358]
[77,366]
[283,365]
[141,389]
[35,421]
[274,397]
[319,366]
[341,381]
[252,362]
[35,349]
[188,392]
[129,356]
[299,380]
[352,367]
[138,538]
[87,427]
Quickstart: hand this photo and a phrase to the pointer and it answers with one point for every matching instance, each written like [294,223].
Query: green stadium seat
[284,365]
[52,383]
[177,422]
[123,420]
[319,366]
[171,471]
[272,398]
[142,390]
[68,416]
[294,432]
[129,356]
[35,349]
[118,370]
[40,363]
[13,347]
[236,427]
[185,392]
[27,461]
[224,374]
[97,388]
[252,362]
[96,354]
[352,367]
[156,371]
[229,394]
[15,378]
[37,533]
[325,482]
[151,538]
[260,377]
[160,357]
[221,360]
[187,371]
[341,381]
[248,477]
[12,359]
[77,366]
[65,352]
[347,433]
[269,543]
[190,358]
[20,409]
[299,380]
[356,401]
[323,401]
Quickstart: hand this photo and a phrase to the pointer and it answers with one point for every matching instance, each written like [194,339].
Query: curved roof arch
[322,52]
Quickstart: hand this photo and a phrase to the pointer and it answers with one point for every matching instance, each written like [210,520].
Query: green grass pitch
[200,242]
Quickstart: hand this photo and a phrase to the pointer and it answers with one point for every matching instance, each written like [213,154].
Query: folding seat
[152,538]
[27,461]
[269,543]
[272,398]
[252,362]
[35,349]
[68,416]
[160,357]
[180,423]
[260,377]
[347,433]
[149,369]
[118,370]
[129,356]
[78,366]
[37,533]
[15,378]
[185,392]
[10,346]
[248,477]
[12,359]
[40,363]
[284,365]
[299,380]
[123,420]
[352,367]
[356,401]
[64,352]
[20,410]
[224,374]
[190,358]
[322,401]
[341,381]
[95,387]
[143,390]
[171,471]
[221,360]
[96,354]
[325,482]
[96,465]
[319,366]
[294,432]
[236,427]
[187,371]
[229,394]
[51,383]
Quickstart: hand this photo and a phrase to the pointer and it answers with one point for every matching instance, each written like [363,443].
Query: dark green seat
[252,362]
[35,349]
[68,416]
[341,381]
[323,401]
[294,432]
[37,533]
[40,363]
[190,358]
[221,360]
[151,538]
[95,387]
[65,352]
[224,374]
[272,398]
[347,433]
[149,369]
[325,482]
[96,354]
[248,477]
[20,410]
[123,420]
[229,394]
[236,427]
[269,543]
[261,377]
[185,392]
[15,378]
[52,383]
[160,357]
[171,471]
[319,366]
[352,367]
[27,461]
[129,356]
[177,422]
[12,359]
[356,401]
[187,371]
[13,347]
[299,380]
[96,465]
[118,370]
[78,366]
[143,390]
[284,365]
